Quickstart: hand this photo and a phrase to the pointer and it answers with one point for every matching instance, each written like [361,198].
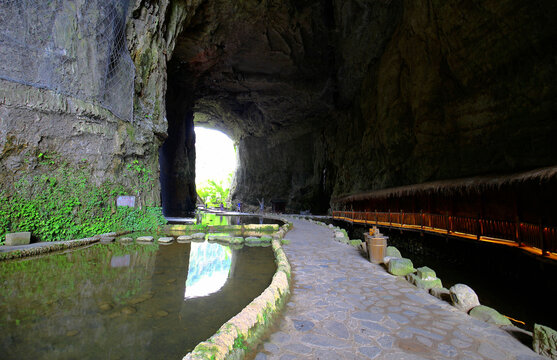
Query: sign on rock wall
[125,201]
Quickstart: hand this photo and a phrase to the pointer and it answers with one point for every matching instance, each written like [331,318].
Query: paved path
[344,307]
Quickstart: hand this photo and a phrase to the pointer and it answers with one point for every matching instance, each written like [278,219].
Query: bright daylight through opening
[215,165]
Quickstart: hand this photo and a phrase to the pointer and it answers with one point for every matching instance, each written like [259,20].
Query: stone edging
[245,330]
[55,246]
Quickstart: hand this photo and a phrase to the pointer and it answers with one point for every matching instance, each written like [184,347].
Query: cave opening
[215,165]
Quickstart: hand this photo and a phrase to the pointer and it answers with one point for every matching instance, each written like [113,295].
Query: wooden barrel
[376,248]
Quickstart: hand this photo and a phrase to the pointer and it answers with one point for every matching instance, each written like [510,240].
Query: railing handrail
[522,233]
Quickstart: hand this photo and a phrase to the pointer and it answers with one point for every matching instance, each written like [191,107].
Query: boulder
[426,273]
[125,240]
[489,315]
[198,237]
[400,267]
[463,297]
[424,284]
[393,252]
[356,243]
[145,239]
[237,240]
[545,341]
[184,238]
[441,293]
[252,240]
[166,240]
[266,239]
[107,239]
[386,259]
[18,238]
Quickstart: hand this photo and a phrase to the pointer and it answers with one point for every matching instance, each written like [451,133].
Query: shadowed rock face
[332,97]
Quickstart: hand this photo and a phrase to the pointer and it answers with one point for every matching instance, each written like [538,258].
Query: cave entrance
[215,165]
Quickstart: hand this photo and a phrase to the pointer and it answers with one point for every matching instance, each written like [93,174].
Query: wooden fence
[516,232]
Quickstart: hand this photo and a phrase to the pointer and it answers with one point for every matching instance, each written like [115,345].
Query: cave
[333,105]
[327,99]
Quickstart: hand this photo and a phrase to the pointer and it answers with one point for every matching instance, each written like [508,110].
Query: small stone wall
[46,248]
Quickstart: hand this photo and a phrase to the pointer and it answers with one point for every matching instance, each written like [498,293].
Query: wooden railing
[519,233]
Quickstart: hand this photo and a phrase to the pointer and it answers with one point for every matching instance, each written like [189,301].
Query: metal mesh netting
[74,47]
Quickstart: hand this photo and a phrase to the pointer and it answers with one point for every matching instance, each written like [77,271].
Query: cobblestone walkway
[344,307]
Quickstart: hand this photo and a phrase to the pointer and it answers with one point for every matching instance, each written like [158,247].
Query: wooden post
[401,220]
[447,219]
[390,222]
[517,232]
[478,228]
[422,219]
[542,240]
[376,217]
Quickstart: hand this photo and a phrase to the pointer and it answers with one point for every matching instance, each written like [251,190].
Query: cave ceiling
[252,68]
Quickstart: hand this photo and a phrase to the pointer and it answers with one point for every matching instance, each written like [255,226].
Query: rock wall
[287,169]
[455,89]
[36,121]
[323,97]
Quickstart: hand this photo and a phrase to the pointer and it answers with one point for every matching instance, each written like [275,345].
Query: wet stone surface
[344,307]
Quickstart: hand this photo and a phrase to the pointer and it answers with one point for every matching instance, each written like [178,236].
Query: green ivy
[240,343]
[63,204]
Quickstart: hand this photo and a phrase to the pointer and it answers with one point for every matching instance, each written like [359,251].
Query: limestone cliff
[323,97]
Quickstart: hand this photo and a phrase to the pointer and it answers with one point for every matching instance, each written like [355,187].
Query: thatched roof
[475,184]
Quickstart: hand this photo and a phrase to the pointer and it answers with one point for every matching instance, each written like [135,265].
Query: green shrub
[63,204]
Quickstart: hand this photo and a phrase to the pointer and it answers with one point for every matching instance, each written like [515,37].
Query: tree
[215,193]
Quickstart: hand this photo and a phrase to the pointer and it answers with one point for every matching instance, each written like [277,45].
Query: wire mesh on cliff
[74,47]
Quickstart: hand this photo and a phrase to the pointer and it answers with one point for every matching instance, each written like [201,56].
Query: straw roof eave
[472,185]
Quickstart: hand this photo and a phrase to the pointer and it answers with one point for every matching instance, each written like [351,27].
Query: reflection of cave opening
[209,269]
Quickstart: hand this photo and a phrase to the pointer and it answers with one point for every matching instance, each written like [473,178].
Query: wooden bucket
[376,248]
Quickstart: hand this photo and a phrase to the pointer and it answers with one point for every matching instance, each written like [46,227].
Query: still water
[218,219]
[113,301]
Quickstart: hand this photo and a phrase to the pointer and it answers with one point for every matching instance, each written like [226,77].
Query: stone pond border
[49,247]
[246,329]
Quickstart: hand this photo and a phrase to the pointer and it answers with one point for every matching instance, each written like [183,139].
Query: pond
[115,301]
[217,219]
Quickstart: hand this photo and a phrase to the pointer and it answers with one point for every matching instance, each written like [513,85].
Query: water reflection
[208,270]
[120,261]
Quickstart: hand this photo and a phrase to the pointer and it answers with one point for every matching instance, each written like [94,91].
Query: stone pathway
[344,307]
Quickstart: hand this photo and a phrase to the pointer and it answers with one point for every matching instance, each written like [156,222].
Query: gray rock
[184,238]
[463,297]
[426,273]
[392,252]
[166,240]
[424,279]
[107,239]
[125,240]
[18,238]
[441,293]
[387,259]
[266,239]
[252,240]
[237,240]
[545,341]
[145,239]
[489,315]
[198,236]
[400,267]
